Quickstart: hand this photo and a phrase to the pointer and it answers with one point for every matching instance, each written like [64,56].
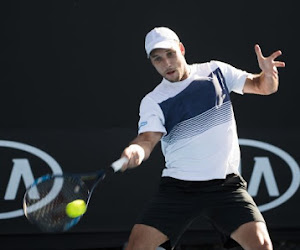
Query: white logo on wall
[21,170]
[262,169]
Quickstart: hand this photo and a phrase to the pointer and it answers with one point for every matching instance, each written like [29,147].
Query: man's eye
[157,59]
[170,54]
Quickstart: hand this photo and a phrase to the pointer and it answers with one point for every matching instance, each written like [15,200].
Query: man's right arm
[140,148]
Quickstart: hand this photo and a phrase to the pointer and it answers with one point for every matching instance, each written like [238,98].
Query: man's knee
[144,237]
[253,235]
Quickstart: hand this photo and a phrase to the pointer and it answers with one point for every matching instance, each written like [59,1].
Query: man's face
[170,63]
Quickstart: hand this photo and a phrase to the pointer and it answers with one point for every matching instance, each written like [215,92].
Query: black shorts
[224,202]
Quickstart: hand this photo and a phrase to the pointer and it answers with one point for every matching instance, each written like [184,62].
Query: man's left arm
[267,81]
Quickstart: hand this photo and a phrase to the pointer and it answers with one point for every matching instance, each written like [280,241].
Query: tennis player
[190,112]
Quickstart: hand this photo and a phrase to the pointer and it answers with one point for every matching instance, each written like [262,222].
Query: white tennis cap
[160,38]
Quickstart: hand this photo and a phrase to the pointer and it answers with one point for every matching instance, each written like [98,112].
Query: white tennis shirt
[200,139]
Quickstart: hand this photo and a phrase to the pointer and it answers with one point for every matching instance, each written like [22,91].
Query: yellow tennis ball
[76,208]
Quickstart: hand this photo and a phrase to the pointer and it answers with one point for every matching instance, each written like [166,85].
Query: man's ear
[182,49]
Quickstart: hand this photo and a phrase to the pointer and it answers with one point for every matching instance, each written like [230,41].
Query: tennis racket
[45,201]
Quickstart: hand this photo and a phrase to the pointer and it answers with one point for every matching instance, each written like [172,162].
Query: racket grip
[117,165]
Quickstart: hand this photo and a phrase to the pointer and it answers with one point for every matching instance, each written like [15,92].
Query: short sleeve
[235,78]
[151,117]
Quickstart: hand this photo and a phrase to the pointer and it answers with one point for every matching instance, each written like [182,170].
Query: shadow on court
[115,241]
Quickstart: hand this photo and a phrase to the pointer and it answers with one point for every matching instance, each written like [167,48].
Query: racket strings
[48,210]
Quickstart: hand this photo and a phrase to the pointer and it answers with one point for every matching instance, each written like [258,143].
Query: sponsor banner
[270,165]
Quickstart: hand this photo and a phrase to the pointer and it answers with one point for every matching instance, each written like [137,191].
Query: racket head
[45,201]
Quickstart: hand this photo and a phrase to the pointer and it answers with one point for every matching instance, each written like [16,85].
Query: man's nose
[167,62]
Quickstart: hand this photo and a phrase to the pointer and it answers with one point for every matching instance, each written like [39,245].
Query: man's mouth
[170,72]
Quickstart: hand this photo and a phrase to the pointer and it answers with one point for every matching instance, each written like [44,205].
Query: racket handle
[117,165]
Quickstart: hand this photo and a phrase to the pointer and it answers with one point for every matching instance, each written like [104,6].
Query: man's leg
[253,235]
[144,237]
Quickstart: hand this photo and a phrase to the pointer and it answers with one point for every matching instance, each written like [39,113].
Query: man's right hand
[135,154]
